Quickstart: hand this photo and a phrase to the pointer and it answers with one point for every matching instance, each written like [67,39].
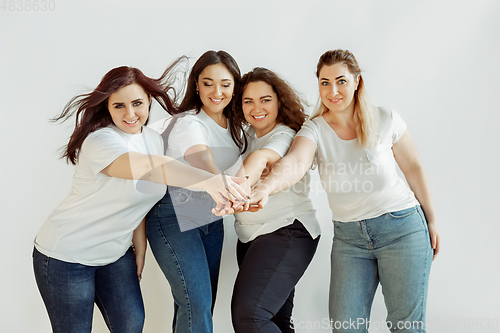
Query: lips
[335,100]
[216,101]
[259,117]
[131,123]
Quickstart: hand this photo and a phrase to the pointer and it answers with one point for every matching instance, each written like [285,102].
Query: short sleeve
[310,130]
[187,132]
[398,126]
[280,142]
[101,148]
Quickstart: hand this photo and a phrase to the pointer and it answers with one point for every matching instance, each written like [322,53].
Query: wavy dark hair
[192,100]
[91,109]
[291,111]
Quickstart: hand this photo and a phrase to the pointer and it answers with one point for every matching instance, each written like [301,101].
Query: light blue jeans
[190,260]
[393,249]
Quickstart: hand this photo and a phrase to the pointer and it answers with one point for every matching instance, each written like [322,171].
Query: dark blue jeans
[190,260]
[270,267]
[69,291]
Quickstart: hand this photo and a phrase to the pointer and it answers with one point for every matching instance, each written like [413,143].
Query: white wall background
[434,61]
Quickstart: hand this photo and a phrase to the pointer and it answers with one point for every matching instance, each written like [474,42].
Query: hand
[259,199]
[140,259]
[223,209]
[224,190]
[435,240]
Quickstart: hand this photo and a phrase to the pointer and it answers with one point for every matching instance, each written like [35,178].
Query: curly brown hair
[290,105]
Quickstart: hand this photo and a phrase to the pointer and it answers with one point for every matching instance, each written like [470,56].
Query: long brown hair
[91,109]
[365,116]
[290,106]
[192,100]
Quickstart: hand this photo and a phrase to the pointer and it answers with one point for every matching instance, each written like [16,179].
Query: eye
[227,85]
[247,102]
[342,81]
[266,100]
[325,83]
[207,84]
[137,103]
[119,106]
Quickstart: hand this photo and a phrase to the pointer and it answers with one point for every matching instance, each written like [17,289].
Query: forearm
[418,184]
[285,174]
[139,238]
[157,168]
[253,167]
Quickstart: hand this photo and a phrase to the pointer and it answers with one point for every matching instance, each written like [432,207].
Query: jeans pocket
[403,213]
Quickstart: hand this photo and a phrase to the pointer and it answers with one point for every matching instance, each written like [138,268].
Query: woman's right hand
[259,198]
[224,190]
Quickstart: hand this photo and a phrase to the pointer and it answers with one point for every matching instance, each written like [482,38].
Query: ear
[357,81]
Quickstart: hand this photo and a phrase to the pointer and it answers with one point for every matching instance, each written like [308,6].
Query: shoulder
[109,133]
[282,129]
[390,123]
[387,115]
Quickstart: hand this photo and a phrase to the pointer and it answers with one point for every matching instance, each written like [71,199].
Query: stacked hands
[233,195]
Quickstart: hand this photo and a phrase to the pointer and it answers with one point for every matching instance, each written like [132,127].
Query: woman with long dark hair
[185,237]
[83,253]
[277,243]
[385,231]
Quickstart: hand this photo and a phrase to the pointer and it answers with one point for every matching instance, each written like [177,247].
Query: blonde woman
[385,231]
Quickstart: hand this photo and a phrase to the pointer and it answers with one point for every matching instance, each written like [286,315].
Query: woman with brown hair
[185,237]
[275,244]
[385,231]
[83,253]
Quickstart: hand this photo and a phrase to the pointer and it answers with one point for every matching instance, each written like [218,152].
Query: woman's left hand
[140,259]
[435,240]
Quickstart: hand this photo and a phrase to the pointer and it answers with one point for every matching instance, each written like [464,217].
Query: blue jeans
[270,267]
[393,249]
[69,291]
[190,260]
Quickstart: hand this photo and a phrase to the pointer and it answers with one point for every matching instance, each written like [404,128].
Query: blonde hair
[365,117]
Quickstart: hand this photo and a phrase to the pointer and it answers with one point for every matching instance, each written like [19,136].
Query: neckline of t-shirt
[205,115]
[268,134]
[128,135]
[335,133]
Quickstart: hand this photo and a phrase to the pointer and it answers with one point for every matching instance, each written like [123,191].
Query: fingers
[236,189]
[435,246]
[139,261]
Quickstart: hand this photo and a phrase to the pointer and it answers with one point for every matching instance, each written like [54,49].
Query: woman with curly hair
[277,243]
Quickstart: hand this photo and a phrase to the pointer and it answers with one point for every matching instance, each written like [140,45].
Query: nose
[217,91]
[334,89]
[129,112]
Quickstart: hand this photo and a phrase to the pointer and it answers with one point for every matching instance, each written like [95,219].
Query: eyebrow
[338,77]
[209,78]
[135,100]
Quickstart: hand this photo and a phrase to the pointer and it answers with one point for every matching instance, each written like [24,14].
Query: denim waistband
[188,192]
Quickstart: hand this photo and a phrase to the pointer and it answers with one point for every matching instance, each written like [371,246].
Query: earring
[196,92]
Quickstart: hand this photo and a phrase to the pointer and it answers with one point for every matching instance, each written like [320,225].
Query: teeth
[216,100]
[259,117]
[131,122]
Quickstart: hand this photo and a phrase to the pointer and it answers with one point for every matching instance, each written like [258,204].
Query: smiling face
[336,87]
[260,107]
[129,108]
[215,86]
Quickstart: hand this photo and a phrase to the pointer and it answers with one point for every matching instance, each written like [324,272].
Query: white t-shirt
[360,183]
[283,207]
[94,224]
[199,129]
